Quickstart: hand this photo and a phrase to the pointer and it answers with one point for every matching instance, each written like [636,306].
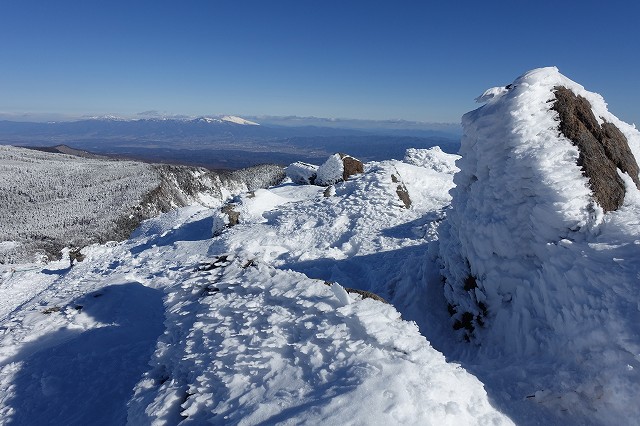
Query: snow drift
[536,265]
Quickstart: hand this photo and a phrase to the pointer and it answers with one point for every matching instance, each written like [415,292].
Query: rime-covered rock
[539,249]
[302,173]
[339,167]
[603,148]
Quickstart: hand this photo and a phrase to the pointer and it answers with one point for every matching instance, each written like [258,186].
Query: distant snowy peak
[108,118]
[226,119]
[238,120]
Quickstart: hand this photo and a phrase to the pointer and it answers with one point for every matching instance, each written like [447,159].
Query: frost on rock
[603,148]
[302,173]
[338,168]
[534,267]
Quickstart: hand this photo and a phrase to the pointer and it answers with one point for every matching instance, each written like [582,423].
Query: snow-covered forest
[50,201]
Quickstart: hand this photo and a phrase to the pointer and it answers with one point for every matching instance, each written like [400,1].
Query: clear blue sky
[414,60]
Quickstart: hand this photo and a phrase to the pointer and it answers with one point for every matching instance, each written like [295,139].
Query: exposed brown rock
[603,149]
[234,216]
[365,294]
[403,194]
[352,166]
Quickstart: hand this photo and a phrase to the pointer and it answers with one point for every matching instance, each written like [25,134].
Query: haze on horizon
[415,61]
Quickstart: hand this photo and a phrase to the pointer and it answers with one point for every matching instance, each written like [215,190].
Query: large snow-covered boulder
[301,173]
[540,247]
[339,167]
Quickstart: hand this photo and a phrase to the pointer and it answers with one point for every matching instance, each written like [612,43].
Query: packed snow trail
[250,344]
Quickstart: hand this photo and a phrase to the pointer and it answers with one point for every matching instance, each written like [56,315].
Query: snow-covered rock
[534,268]
[302,173]
[337,168]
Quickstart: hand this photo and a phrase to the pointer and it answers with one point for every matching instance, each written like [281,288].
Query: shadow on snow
[87,377]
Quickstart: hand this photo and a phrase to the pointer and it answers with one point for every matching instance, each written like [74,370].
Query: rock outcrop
[339,167]
[603,148]
[542,163]
[302,173]
[539,248]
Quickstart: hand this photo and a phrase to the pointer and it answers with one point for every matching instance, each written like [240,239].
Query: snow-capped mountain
[495,287]
[227,119]
[238,120]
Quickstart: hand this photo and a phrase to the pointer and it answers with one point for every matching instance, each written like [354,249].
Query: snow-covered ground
[175,326]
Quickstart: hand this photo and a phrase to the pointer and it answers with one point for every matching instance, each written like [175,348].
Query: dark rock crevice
[603,149]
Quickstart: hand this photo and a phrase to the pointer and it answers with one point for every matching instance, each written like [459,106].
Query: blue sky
[413,60]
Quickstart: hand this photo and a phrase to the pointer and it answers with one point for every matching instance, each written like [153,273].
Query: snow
[554,278]
[222,330]
[331,171]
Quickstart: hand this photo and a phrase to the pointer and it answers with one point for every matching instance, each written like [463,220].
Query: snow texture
[534,269]
[331,171]
[255,324]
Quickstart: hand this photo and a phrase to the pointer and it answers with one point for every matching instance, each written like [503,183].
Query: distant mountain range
[226,141]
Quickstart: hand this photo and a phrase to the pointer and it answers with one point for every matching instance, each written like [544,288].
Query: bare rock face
[401,190]
[351,166]
[603,148]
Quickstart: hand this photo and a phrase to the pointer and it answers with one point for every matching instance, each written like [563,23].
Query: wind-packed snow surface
[544,284]
[253,326]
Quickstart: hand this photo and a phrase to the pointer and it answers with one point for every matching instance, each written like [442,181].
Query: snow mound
[433,158]
[533,266]
[331,171]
